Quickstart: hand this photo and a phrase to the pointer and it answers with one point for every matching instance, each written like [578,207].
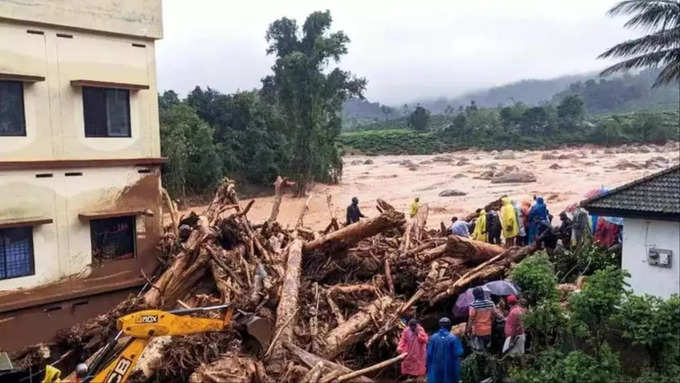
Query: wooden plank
[23,222]
[107,84]
[20,77]
[93,163]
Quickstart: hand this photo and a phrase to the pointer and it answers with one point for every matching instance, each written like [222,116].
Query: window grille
[16,252]
[113,238]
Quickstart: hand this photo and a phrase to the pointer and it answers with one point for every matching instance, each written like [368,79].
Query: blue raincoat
[537,214]
[443,357]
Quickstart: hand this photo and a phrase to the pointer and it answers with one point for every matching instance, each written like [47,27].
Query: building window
[113,238]
[107,112]
[16,252]
[12,122]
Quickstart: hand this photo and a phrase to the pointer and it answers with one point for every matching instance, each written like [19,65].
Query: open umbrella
[502,288]
[464,301]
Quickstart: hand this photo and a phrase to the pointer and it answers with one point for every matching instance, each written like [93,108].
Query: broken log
[352,330]
[352,234]
[189,266]
[311,360]
[372,368]
[303,211]
[279,186]
[288,303]
[471,250]
[493,268]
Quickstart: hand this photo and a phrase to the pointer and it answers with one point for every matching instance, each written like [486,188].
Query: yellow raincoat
[480,227]
[509,219]
[413,209]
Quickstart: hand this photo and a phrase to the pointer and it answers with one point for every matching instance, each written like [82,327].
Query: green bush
[594,306]
[575,367]
[655,324]
[536,278]
[584,260]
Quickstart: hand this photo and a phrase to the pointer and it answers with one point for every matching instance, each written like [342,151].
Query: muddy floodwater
[562,177]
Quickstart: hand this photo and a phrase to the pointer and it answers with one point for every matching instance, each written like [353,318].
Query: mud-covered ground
[562,176]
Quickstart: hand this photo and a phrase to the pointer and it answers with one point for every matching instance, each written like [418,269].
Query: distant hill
[356,112]
[613,94]
[530,92]
[625,93]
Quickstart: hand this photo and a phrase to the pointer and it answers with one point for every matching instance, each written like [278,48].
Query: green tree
[659,48]
[310,96]
[594,306]
[194,165]
[571,110]
[419,119]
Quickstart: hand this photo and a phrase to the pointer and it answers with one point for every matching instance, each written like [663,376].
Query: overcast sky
[405,49]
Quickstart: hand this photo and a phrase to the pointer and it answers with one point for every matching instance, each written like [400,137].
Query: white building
[650,208]
[80,160]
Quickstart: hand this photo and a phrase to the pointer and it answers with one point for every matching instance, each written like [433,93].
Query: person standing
[413,209]
[479,233]
[493,227]
[353,212]
[565,230]
[509,222]
[413,342]
[515,337]
[459,228]
[526,207]
[443,355]
[537,214]
[480,320]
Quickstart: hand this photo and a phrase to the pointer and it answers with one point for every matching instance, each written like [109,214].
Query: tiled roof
[656,194]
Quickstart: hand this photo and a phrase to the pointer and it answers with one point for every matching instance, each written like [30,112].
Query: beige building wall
[53,107]
[57,42]
[140,18]
[63,248]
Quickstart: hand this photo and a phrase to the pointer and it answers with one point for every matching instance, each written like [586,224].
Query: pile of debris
[334,299]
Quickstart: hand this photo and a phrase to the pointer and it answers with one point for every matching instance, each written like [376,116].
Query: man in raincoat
[509,222]
[414,343]
[413,209]
[480,226]
[538,214]
[443,355]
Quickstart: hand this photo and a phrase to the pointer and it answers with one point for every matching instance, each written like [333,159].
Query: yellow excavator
[140,326]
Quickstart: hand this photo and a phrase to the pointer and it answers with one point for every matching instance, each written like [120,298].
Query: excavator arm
[141,326]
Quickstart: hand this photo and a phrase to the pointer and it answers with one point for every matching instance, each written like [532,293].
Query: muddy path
[562,176]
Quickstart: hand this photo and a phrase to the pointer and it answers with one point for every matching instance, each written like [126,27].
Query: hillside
[613,94]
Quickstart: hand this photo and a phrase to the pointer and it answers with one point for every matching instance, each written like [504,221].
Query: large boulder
[549,156]
[368,162]
[519,176]
[451,193]
[505,155]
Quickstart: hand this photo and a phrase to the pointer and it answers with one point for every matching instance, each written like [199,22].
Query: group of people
[516,223]
[438,355]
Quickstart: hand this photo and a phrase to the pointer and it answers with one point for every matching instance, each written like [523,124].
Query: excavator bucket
[261,329]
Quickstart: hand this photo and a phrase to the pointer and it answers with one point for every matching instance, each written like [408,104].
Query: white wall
[639,236]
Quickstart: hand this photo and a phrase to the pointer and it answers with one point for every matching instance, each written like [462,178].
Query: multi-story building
[79,160]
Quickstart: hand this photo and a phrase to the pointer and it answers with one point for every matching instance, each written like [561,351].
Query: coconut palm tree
[660,48]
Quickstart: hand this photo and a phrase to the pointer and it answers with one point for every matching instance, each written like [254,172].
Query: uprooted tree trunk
[351,234]
[469,251]
[493,268]
[288,304]
[311,360]
[353,329]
